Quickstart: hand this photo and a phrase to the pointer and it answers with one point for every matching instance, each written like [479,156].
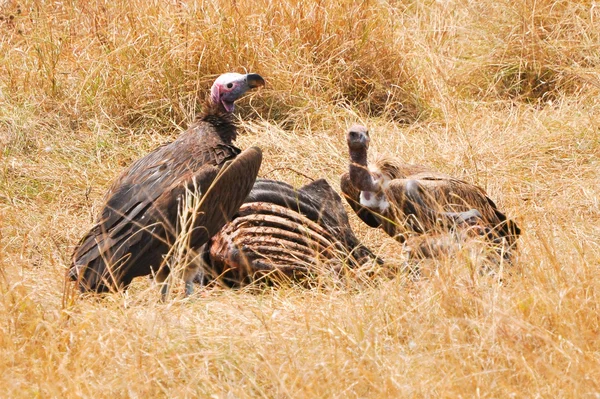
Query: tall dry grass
[501,93]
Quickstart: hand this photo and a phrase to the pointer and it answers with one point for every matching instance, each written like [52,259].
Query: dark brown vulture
[283,232]
[140,219]
[406,199]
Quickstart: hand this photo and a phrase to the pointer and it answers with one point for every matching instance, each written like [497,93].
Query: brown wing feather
[139,220]
[227,193]
[352,196]
[395,169]
[451,195]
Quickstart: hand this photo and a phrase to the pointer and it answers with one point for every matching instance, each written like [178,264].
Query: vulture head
[229,87]
[358,138]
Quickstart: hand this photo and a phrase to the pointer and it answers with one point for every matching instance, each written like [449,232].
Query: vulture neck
[359,172]
[222,121]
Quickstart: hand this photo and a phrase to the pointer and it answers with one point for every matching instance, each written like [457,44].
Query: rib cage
[275,239]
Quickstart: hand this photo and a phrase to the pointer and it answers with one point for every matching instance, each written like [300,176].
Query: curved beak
[254,80]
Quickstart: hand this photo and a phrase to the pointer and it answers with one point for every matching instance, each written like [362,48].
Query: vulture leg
[164,291]
[161,279]
[192,271]
[189,288]
[189,273]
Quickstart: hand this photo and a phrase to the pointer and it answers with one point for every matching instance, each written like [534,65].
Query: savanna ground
[501,93]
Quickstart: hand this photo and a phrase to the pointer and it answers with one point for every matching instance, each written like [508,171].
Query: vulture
[407,200]
[141,217]
[284,233]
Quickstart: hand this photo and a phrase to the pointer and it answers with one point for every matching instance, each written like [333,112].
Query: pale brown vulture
[405,199]
[282,232]
[139,223]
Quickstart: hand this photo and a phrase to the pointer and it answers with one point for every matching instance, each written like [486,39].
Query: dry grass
[501,93]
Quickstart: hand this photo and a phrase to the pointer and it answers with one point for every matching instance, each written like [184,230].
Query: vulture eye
[229,85]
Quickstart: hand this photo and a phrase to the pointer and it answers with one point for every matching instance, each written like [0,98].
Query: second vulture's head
[358,138]
[229,87]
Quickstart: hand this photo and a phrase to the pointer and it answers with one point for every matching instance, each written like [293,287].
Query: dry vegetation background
[503,93]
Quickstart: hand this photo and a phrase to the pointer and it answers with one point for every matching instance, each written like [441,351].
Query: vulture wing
[226,194]
[352,195]
[447,194]
[138,222]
